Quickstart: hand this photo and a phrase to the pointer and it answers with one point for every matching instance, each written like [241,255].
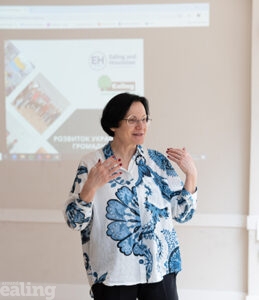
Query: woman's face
[132,133]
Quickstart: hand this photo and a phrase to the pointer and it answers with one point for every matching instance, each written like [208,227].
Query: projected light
[61,64]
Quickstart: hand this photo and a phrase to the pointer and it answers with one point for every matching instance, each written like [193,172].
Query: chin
[140,142]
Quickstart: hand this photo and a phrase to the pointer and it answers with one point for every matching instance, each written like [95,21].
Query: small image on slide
[40,103]
[11,141]
[17,67]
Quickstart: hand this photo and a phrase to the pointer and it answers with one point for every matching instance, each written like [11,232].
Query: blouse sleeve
[184,205]
[78,213]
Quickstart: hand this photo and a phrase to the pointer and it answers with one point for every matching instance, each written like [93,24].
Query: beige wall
[201,100]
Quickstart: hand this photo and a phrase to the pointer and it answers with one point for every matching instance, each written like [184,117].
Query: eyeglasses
[133,120]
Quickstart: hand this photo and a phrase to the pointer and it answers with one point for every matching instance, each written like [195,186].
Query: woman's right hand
[99,175]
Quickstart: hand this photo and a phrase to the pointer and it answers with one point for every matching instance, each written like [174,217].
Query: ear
[113,129]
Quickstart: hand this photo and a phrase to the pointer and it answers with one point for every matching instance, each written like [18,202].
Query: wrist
[87,195]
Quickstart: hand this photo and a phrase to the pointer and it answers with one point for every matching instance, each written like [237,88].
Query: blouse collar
[107,150]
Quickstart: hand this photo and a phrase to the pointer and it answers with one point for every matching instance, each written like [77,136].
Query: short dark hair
[117,108]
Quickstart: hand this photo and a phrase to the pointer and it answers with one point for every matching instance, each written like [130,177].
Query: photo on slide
[40,103]
[17,67]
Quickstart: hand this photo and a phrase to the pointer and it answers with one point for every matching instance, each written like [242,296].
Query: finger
[109,162]
[115,167]
[115,175]
[174,154]
[174,150]
[113,162]
[177,152]
[98,163]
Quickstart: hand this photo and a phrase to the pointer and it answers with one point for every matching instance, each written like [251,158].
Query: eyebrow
[133,116]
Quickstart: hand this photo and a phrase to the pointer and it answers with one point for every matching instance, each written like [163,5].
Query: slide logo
[106,84]
[97,61]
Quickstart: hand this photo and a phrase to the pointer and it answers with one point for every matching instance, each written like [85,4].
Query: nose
[140,123]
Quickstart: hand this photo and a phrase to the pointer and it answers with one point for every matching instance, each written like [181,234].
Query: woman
[124,200]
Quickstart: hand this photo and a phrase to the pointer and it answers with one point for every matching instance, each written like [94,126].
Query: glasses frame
[133,120]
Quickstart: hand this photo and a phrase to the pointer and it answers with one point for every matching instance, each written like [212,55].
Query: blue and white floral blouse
[127,232]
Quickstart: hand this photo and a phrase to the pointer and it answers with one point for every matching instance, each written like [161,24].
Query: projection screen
[61,64]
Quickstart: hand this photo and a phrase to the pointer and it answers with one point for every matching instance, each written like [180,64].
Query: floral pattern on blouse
[127,231]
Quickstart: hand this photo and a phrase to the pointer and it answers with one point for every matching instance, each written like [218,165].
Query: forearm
[88,192]
[191,182]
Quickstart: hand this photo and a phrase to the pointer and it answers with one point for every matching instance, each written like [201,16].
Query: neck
[123,152]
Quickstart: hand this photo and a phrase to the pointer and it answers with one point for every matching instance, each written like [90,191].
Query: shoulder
[151,154]
[92,157]
[156,156]
[159,160]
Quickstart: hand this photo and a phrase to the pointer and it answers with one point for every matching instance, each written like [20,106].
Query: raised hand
[185,162]
[99,175]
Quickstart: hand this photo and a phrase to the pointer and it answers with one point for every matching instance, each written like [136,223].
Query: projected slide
[55,92]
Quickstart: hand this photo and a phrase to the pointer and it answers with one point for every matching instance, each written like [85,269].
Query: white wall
[201,100]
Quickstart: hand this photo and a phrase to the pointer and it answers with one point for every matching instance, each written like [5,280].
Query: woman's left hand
[185,162]
[183,159]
